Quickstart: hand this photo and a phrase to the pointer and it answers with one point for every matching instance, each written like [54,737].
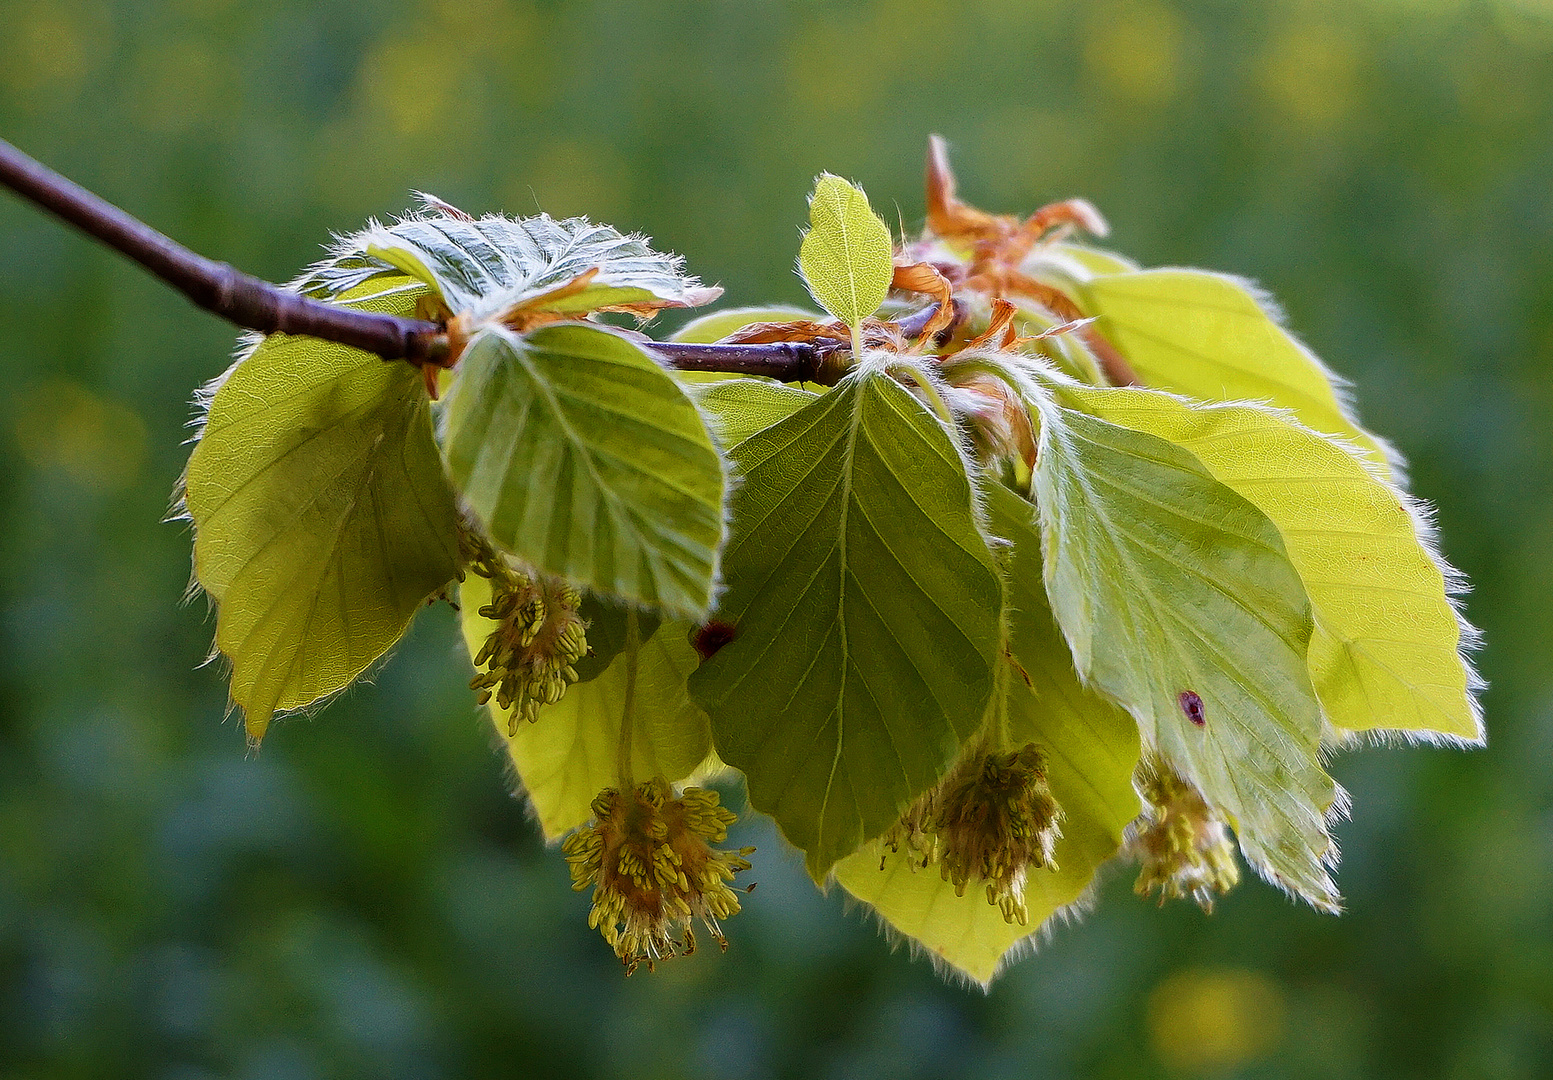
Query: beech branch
[789,361]
[218,288]
[258,305]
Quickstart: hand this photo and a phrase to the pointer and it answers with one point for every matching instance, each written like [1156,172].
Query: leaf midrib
[849,456]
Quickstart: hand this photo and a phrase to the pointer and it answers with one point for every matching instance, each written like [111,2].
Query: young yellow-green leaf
[322,520]
[485,266]
[847,256]
[583,457]
[738,408]
[1387,647]
[1211,336]
[1091,749]
[1167,583]
[1078,262]
[571,752]
[866,607]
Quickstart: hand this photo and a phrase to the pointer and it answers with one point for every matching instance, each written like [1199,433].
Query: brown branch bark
[820,362]
[257,305]
[218,288]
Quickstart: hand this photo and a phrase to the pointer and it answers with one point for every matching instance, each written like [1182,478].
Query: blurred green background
[365,899]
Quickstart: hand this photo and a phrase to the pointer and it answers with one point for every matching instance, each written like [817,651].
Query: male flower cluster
[993,818]
[648,856]
[1182,843]
[528,658]
[997,821]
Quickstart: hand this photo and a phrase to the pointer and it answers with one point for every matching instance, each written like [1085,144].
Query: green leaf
[1166,582]
[606,622]
[1080,262]
[738,408]
[1212,337]
[715,326]
[571,752]
[487,266]
[322,520]
[583,457]
[847,256]
[866,605]
[1386,652]
[1091,747]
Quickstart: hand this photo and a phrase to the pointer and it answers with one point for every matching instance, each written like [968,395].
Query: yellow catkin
[992,819]
[1182,844]
[996,821]
[528,659]
[648,857]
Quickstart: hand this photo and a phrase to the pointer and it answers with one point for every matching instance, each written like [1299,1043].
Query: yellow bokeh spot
[48,52]
[410,85]
[63,427]
[871,75]
[1134,50]
[1310,74]
[1208,1020]
[572,177]
[430,81]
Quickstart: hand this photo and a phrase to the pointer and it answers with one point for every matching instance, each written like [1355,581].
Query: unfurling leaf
[1387,648]
[1211,337]
[1091,748]
[571,753]
[322,520]
[584,458]
[846,256]
[866,610]
[1178,599]
[487,266]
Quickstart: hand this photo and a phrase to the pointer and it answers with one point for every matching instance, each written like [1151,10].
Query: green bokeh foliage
[362,898]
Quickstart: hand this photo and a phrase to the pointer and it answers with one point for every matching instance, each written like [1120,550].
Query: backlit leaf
[1386,651]
[1166,582]
[1212,337]
[866,608]
[322,520]
[1079,262]
[847,254]
[571,752]
[738,408]
[583,457]
[1091,747]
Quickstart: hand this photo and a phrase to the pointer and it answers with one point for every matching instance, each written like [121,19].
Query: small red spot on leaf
[1191,705]
[711,637]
